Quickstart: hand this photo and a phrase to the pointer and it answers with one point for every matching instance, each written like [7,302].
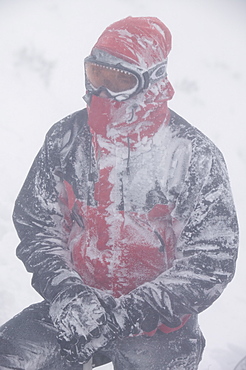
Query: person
[126,221]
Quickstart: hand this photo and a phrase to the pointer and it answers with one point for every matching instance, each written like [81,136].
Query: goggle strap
[146,79]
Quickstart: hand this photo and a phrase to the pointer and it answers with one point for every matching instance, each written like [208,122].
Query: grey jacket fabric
[182,165]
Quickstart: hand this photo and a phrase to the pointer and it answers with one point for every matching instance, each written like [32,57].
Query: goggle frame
[144,77]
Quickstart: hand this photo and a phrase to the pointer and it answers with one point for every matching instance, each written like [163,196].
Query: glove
[77,312]
[125,316]
[81,323]
[142,317]
[149,305]
[81,350]
[139,311]
[128,315]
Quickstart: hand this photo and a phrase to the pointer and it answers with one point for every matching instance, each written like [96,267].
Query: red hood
[143,41]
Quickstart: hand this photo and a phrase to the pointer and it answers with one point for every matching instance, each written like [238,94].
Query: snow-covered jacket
[168,226]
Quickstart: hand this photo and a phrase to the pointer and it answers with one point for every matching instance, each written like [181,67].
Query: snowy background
[43,43]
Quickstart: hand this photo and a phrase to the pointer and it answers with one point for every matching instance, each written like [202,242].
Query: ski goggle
[118,79]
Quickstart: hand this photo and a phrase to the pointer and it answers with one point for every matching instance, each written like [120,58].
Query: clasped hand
[81,322]
[88,320]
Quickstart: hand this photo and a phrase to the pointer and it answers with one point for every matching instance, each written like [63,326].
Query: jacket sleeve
[206,249]
[40,223]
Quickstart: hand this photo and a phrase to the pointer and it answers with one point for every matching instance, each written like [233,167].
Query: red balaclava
[145,42]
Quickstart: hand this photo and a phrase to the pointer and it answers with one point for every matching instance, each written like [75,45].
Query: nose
[103,94]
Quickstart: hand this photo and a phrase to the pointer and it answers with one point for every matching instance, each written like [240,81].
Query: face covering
[143,42]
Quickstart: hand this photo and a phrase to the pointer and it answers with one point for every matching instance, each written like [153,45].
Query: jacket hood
[144,41]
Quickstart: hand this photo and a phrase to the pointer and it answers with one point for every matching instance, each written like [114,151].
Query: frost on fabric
[133,42]
[159,211]
[167,159]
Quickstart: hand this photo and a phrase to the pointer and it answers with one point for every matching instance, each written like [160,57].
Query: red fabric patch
[137,39]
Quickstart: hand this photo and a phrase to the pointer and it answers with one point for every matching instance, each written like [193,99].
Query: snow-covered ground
[43,43]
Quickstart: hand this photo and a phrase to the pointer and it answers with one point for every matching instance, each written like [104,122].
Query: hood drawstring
[128,156]
[133,110]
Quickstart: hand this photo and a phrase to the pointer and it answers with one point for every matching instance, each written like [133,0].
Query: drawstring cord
[128,156]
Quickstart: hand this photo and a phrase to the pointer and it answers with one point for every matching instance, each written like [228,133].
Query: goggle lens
[113,79]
